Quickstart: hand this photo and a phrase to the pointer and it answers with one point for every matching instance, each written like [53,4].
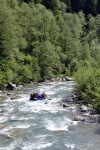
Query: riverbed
[44,124]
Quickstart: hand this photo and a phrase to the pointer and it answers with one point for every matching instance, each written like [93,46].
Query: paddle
[48,98]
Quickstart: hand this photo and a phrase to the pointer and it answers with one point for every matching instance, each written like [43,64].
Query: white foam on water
[10,147]
[72,146]
[24,98]
[20,126]
[75,122]
[50,92]
[34,146]
[60,124]
[1,148]
[53,111]
[55,126]
[20,118]
[44,105]
[3,119]
[9,109]
[3,104]
[21,99]
[44,145]
[67,120]
[35,106]
[63,88]
[23,109]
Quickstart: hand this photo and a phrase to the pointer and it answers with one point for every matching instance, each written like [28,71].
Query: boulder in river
[15,97]
[11,86]
[68,78]
[66,105]
[78,118]
[19,87]
[10,94]
[84,108]
[68,100]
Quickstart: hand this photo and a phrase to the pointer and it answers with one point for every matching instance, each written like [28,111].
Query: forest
[40,39]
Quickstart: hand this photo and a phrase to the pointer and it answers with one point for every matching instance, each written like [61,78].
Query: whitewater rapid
[34,125]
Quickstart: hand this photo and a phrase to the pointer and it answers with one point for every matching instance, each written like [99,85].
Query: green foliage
[49,60]
[88,82]
[73,66]
[38,39]
[8,32]
[12,4]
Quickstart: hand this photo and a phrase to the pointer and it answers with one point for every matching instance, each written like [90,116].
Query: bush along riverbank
[88,86]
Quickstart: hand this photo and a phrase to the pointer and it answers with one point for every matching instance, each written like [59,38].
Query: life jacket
[44,95]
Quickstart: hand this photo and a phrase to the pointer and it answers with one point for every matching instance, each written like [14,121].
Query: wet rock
[19,87]
[47,80]
[68,100]
[16,132]
[92,111]
[63,79]
[78,118]
[52,79]
[11,86]
[84,108]
[65,105]
[94,118]
[78,98]
[6,136]
[74,97]
[49,99]
[68,78]
[57,78]
[10,94]
[2,126]
[15,97]
[86,114]
[1,111]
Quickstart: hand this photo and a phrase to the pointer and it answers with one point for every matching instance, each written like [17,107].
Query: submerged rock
[15,97]
[2,126]
[1,111]
[10,94]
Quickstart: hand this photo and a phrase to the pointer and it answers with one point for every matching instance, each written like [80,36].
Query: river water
[44,125]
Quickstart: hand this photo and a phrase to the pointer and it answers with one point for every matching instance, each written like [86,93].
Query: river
[44,125]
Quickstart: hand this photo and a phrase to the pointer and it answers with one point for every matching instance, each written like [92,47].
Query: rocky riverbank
[86,114]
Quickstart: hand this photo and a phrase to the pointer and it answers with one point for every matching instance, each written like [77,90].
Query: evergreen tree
[89,7]
[98,6]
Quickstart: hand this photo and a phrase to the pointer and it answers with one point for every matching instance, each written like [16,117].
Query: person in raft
[38,95]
